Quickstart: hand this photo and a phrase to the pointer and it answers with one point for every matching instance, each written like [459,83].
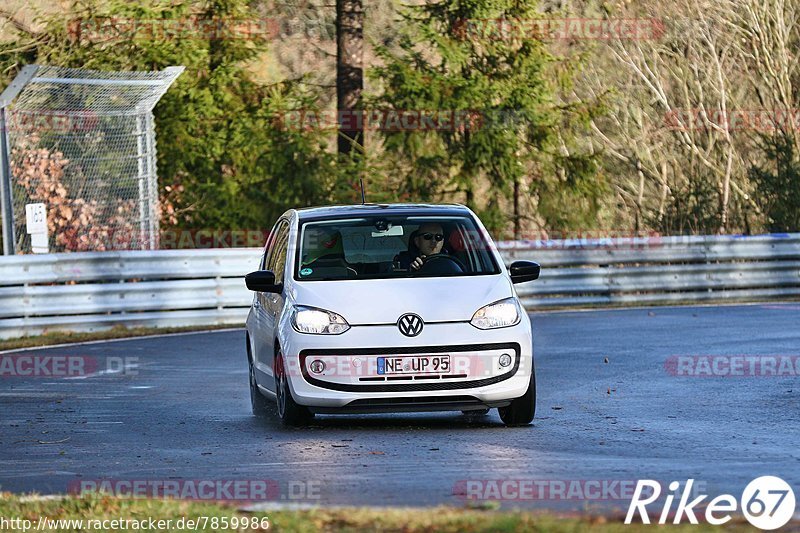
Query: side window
[269,255]
[277,254]
[268,245]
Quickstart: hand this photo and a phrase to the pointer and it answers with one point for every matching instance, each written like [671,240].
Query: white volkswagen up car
[388,308]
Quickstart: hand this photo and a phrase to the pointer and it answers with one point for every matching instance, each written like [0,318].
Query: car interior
[364,251]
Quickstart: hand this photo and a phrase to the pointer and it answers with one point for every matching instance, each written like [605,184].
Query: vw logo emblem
[410,325]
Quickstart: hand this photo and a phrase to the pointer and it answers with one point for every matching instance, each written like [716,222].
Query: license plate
[414,364]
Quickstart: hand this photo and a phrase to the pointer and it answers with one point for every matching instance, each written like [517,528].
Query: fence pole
[141,181]
[9,239]
[6,199]
[152,181]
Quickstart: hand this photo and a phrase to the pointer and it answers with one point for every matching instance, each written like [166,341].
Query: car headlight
[497,315]
[318,321]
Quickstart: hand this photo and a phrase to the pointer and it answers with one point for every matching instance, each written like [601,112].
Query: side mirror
[262,281]
[522,271]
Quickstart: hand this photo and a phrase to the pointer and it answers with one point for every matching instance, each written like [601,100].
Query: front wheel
[522,409]
[290,412]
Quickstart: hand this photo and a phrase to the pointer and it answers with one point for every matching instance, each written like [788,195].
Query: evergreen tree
[484,58]
[226,153]
[778,184]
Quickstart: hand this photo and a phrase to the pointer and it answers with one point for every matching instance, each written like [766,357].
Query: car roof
[340,211]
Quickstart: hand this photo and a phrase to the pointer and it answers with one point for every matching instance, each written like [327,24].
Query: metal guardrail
[660,270]
[98,290]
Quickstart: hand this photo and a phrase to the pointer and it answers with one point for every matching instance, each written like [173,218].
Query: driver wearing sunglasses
[427,240]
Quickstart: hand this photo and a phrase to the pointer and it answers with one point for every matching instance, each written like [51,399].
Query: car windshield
[382,247]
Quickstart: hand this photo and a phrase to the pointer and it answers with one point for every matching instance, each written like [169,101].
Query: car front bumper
[350,382]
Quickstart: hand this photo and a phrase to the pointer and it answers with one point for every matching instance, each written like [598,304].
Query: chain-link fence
[82,143]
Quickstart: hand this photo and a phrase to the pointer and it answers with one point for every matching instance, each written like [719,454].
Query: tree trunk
[726,193]
[349,74]
[517,232]
[639,196]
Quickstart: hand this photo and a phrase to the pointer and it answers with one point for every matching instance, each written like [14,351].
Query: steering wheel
[441,264]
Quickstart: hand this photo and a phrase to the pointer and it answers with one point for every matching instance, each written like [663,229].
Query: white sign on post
[35,218]
[36,227]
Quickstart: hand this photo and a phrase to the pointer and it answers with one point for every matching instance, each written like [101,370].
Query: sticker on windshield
[306,272]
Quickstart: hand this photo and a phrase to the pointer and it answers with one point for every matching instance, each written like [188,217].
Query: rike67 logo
[767,503]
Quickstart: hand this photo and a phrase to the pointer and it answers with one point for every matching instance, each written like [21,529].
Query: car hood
[382,301]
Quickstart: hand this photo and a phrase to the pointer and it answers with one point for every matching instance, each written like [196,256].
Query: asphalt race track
[180,411]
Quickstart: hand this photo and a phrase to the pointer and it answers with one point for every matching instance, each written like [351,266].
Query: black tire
[522,409]
[258,402]
[290,412]
[476,412]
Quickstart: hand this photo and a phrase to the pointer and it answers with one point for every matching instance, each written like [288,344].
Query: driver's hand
[416,264]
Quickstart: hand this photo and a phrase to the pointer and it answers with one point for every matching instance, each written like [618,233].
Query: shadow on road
[382,422]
